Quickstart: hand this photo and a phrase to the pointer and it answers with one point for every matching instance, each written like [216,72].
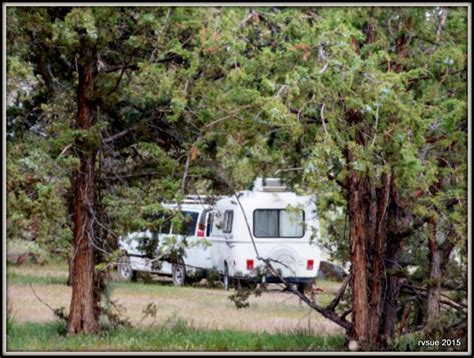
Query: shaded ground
[274,311]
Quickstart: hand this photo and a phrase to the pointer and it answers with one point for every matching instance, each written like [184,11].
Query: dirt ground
[273,311]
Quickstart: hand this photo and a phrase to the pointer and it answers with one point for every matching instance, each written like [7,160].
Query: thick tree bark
[438,258]
[379,212]
[434,290]
[368,213]
[399,219]
[357,237]
[391,291]
[376,216]
[83,314]
[70,265]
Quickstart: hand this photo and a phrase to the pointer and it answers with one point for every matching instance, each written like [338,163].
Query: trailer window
[228,218]
[278,223]
[291,223]
[265,223]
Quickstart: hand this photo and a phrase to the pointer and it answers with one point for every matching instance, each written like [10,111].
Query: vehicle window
[278,223]
[210,219]
[165,225]
[228,218]
[188,227]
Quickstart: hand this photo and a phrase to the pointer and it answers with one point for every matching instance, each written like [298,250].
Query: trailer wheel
[179,273]
[125,271]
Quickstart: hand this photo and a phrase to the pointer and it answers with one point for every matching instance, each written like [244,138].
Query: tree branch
[439,29]
[333,304]
[118,135]
[186,169]
[133,66]
[117,83]
[401,234]
[323,121]
[58,312]
[423,292]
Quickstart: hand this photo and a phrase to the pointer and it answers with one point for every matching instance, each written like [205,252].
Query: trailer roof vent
[269,185]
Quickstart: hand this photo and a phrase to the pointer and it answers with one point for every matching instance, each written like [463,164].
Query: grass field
[173,335]
[187,318]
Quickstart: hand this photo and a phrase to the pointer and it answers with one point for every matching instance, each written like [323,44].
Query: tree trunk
[378,210]
[391,291]
[357,237]
[70,265]
[399,220]
[83,315]
[434,287]
[438,257]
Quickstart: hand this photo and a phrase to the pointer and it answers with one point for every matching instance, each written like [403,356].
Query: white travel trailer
[196,257]
[278,224]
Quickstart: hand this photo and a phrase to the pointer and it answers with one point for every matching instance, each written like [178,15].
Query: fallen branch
[324,311]
[58,312]
[333,304]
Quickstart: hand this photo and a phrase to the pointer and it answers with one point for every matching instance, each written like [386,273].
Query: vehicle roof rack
[199,199]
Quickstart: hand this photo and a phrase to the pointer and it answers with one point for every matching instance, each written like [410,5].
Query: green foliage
[174,335]
[240,298]
[37,185]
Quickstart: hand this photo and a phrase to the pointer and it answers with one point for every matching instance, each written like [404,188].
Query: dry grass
[49,270]
[204,308]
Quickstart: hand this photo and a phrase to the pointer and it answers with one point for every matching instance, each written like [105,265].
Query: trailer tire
[179,273]
[125,271]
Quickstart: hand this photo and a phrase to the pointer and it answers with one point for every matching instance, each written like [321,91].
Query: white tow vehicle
[196,258]
[278,224]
